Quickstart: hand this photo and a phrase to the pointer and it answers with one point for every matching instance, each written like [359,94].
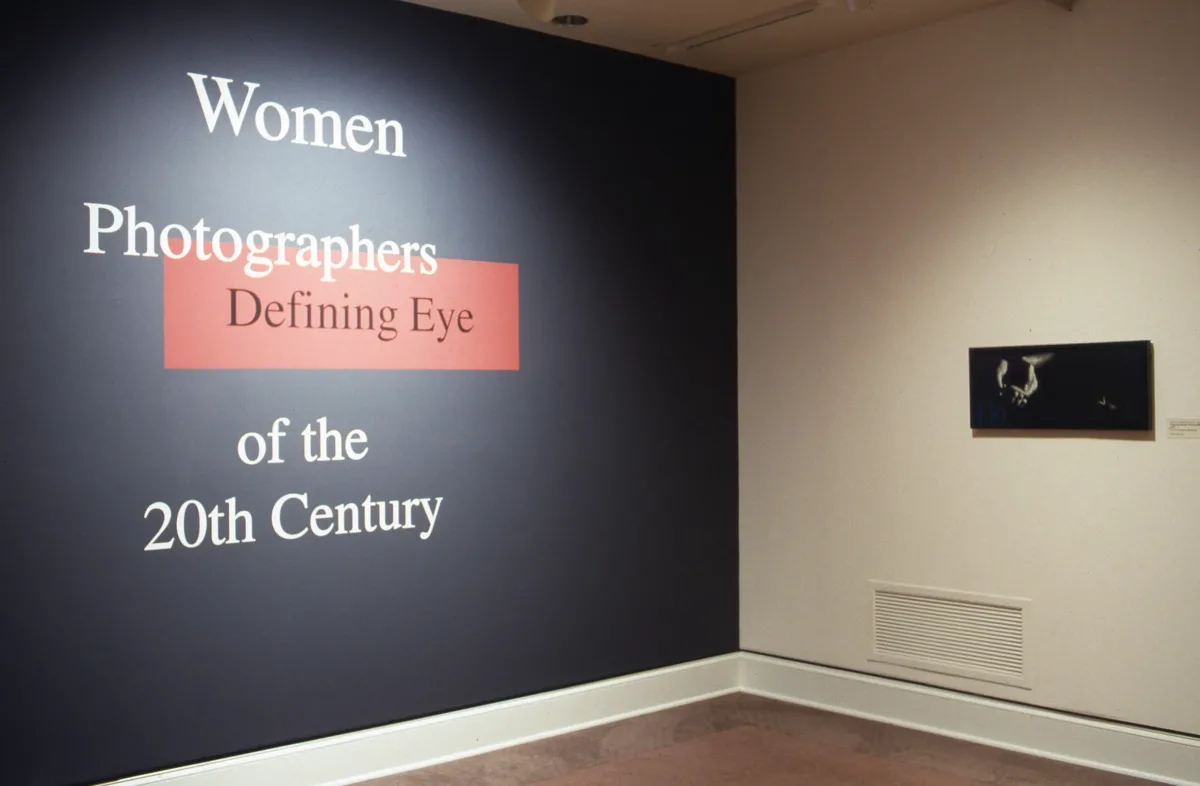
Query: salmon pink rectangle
[465,315]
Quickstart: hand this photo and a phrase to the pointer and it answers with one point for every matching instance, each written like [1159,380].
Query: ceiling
[650,27]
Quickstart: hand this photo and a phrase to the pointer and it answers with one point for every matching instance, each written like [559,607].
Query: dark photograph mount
[1098,386]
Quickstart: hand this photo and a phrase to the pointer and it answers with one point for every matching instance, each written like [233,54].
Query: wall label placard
[1183,428]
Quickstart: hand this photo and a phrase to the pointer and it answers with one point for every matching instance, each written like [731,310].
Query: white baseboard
[1156,756]
[351,758]
[387,750]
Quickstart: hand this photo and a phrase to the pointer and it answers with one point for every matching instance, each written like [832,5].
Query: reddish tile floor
[742,740]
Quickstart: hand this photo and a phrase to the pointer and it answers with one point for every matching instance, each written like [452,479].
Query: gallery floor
[742,740]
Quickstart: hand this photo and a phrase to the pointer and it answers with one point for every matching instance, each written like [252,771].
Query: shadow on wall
[1037,433]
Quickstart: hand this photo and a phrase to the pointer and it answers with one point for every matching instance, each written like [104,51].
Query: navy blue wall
[589,521]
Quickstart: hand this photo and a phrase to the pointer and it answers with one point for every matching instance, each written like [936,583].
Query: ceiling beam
[1066,5]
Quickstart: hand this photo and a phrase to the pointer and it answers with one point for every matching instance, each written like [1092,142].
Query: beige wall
[1018,175]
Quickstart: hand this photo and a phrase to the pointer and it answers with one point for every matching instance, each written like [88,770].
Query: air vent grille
[746,26]
[971,636]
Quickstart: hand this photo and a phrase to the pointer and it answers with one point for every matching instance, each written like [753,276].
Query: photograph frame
[1093,386]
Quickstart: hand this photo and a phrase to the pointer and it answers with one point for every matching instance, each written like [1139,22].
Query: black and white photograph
[1102,386]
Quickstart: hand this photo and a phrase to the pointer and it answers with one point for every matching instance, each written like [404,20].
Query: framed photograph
[1105,386]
